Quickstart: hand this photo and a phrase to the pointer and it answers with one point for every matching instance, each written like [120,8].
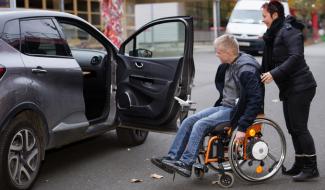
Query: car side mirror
[140,53]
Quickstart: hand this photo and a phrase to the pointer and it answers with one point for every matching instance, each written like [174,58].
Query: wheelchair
[256,159]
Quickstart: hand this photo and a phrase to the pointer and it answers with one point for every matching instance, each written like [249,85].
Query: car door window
[11,34]
[77,38]
[41,37]
[159,41]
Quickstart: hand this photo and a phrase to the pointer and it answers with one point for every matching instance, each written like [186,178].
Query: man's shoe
[158,161]
[180,167]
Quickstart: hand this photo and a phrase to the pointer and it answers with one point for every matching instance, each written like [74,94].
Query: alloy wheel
[24,157]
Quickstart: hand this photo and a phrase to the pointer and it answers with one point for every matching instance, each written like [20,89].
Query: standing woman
[284,62]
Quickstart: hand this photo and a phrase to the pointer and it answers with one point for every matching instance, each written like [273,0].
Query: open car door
[155,65]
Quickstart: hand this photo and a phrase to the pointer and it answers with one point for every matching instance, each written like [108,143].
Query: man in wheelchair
[241,99]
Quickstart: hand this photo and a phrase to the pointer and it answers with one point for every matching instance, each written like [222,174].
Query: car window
[41,37]
[78,38]
[158,41]
[11,34]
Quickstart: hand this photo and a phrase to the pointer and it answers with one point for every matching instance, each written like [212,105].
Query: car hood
[244,28]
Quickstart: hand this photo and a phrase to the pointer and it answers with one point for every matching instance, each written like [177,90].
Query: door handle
[39,70]
[139,65]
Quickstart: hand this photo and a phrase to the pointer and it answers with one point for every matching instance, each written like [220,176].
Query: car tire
[131,137]
[21,152]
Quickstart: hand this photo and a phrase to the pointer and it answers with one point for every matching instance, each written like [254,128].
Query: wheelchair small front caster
[226,180]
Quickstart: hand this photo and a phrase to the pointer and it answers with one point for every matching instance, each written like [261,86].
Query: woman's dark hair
[274,6]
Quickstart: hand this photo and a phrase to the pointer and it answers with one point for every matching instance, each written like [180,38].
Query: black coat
[291,73]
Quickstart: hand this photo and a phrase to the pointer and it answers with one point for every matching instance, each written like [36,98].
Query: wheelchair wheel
[262,153]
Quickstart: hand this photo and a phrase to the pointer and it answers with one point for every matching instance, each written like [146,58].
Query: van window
[246,16]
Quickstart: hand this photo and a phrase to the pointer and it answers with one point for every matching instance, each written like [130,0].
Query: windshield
[246,16]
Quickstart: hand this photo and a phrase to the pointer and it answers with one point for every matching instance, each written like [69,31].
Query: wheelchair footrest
[201,167]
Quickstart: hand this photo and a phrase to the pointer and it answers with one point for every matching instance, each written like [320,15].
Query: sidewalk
[203,47]
[315,49]
[311,48]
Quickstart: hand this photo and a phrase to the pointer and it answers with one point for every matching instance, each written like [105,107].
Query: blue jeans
[192,131]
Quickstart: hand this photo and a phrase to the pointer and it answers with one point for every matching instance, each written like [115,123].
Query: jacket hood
[294,22]
[246,59]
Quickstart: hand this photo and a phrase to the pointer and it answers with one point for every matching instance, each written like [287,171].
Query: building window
[20,3]
[86,9]
[4,3]
[36,4]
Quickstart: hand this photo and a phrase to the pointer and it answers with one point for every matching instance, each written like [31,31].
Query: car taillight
[2,71]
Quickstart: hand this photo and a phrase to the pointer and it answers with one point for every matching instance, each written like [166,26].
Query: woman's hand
[267,78]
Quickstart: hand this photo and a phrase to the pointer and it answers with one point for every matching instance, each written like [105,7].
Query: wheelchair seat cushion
[220,128]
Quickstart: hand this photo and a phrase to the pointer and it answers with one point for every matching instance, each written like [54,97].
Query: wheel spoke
[24,173]
[14,147]
[272,157]
[31,157]
[29,140]
[17,142]
[267,162]
[241,163]
[13,163]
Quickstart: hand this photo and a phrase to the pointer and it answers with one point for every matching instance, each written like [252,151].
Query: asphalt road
[101,163]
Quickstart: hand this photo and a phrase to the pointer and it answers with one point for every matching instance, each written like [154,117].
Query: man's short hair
[227,42]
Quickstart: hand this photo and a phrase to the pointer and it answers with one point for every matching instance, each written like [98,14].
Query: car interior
[94,63]
[94,67]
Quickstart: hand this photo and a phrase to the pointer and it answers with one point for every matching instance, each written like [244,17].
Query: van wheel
[131,137]
[20,154]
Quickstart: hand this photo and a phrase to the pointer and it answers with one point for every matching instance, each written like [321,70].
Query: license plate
[244,44]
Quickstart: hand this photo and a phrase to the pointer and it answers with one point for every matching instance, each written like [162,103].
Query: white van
[246,24]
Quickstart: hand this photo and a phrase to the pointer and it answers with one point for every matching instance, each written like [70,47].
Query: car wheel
[20,154]
[131,137]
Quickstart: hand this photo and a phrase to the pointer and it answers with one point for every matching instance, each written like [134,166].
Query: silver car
[62,80]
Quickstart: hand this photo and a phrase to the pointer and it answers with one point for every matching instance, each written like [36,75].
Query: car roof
[7,14]
[10,13]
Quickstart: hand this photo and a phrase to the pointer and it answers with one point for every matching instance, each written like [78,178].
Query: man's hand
[267,78]
[240,136]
